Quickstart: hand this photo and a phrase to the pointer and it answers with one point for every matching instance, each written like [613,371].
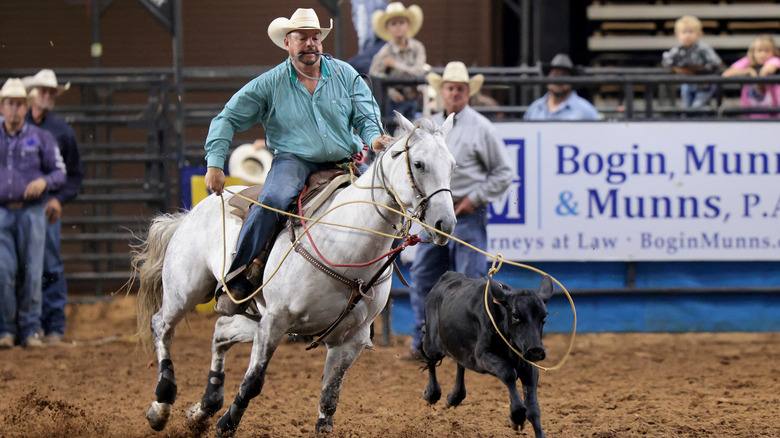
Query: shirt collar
[458,116]
[324,70]
[566,104]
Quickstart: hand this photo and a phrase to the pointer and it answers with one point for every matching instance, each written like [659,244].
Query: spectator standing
[309,105]
[44,89]
[481,176]
[31,165]
[692,56]
[761,60]
[402,56]
[561,102]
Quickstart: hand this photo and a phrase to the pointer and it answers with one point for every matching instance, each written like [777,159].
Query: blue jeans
[432,261]
[22,239]
[283,184]
[696,98]
[55,290]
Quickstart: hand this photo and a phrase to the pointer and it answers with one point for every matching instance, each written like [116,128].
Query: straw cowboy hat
[13,88]
[45,78]
[395,9]
[456,71]
[301,19]
[250,164]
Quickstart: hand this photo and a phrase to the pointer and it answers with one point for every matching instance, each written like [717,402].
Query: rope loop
[493,268]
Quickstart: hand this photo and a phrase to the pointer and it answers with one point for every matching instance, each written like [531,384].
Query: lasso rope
[493,270]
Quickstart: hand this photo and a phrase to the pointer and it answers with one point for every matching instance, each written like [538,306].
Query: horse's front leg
[228,331]
[340,357]
[267,336]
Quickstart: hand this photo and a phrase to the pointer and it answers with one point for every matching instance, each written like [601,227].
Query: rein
[419,211]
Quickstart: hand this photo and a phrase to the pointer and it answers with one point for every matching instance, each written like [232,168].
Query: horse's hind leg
[267,336]
[228,331]
[339,359]
[163,324]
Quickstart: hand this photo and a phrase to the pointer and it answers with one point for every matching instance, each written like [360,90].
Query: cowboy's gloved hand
[380,142]
[215,180]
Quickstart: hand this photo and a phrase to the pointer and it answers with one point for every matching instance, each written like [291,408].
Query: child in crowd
[761,60]
[402,56]
[691,57]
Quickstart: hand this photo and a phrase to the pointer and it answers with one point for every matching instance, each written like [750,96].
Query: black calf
[457,325]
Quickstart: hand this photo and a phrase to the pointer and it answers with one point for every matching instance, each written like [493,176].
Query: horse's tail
[147,263]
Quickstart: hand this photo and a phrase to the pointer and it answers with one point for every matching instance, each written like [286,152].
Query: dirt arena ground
[614,385]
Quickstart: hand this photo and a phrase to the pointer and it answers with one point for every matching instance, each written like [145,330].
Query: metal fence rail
[123,120]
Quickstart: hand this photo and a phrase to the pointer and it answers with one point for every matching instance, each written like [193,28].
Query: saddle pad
[312,204]
[242,205]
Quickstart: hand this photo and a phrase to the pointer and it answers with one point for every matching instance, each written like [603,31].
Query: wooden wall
[58,33]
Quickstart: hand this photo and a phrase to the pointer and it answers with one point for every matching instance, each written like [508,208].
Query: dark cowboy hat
[563,62]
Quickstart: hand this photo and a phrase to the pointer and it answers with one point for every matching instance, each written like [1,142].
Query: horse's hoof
[158,415]
[324,425]
[196,415]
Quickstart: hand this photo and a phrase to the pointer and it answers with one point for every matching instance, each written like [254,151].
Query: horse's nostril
[439,224]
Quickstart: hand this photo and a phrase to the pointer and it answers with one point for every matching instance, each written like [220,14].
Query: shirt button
[324,135]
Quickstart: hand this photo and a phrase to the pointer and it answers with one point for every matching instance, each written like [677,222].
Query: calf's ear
[497,292]
[546,289]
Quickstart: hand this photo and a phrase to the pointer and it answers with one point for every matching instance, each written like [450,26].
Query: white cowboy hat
[396,9]
[301,19]
[45,78]
[456,71]
[13,88]
[250,164]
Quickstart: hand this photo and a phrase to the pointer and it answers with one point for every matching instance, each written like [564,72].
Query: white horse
[182,259]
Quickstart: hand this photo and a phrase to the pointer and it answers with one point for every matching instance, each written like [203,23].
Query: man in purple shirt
[44,90]
[30,166]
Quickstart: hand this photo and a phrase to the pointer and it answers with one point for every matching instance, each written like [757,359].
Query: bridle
[422,206]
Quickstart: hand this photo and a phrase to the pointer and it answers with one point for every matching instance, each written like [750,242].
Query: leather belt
[17,205]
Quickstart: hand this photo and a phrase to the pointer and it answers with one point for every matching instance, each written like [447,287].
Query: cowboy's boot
[241,286]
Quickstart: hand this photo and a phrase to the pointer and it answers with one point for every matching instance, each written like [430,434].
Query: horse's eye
[419,166]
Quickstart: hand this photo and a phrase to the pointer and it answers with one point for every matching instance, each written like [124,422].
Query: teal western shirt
[316,127]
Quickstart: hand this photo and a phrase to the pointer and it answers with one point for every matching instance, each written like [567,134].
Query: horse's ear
[446,127]
[403,122]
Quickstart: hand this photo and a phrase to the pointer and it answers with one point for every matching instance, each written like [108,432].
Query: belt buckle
[16,205]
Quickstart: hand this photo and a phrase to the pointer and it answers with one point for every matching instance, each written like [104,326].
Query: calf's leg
[506,372]
[432,392]
[459,389]
[529,376]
